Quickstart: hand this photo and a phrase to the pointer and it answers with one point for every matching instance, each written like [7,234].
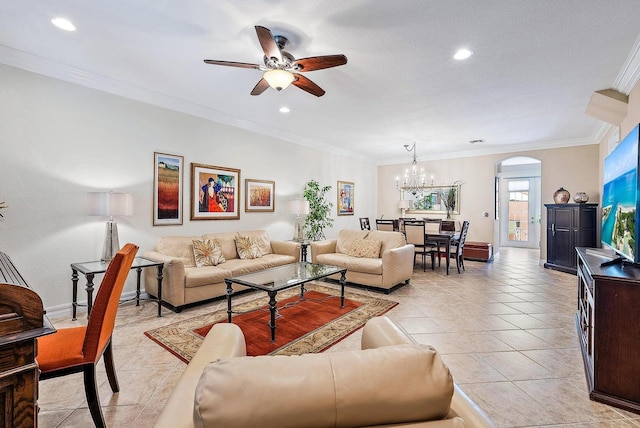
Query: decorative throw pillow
[247,248]
[207,253]
[369,248]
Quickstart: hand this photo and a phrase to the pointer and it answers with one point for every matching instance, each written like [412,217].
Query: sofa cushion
[207,252]
[247,248]
[179,247]
[346,238]
[366,248]
[393,384]
[199,276]
[389,240]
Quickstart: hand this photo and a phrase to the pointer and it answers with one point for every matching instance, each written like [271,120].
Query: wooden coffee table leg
[272,310]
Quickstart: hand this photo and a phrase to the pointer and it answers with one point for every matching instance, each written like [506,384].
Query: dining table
[445,237]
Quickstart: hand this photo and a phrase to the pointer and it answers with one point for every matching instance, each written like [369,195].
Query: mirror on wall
[433,199]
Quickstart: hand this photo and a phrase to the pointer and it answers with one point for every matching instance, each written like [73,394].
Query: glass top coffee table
[281,278]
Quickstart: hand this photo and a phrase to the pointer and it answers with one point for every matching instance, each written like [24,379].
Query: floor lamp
[299,208]
[110,204]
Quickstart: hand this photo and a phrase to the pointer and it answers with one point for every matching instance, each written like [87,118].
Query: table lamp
[299,208]
[110,204]
[403,204]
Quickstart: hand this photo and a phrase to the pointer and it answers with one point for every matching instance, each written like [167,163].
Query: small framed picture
[345,197]
[168,173]
[215,192]
[259,195]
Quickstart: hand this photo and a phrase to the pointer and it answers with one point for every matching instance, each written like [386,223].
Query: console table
[91,269]
[22,321]
[608,329]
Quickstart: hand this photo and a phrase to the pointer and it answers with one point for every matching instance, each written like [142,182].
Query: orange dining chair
[78,349]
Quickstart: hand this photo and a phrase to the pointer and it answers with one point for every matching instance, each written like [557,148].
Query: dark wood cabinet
[608,329]
[569,226]
[22,321]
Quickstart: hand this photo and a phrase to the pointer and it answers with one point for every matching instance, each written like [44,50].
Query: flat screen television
[620,198]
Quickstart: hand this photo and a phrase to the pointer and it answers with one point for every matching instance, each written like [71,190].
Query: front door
[520,216]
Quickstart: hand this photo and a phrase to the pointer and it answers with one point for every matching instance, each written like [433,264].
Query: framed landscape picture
[259,195]
[345,197]
[168,173]
[215,192]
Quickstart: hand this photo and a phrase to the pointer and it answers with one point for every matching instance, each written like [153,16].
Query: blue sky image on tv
[620,197]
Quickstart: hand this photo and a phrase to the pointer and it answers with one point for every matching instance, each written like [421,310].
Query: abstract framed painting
[215,192]
[259,195]
[168,175]
[345,197]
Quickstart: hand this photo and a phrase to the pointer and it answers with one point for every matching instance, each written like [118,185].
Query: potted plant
[319,209]
[449,198]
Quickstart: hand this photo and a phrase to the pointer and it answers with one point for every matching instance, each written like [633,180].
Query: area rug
[303,326]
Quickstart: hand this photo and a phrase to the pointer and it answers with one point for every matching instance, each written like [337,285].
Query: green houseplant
[319,209]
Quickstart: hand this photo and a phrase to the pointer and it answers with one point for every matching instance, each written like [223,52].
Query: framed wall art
[168,173]
[215,192]
[345,197]
[259,195]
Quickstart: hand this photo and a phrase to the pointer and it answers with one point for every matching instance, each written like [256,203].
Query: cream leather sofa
[393,266]
[183,283]
[392,381]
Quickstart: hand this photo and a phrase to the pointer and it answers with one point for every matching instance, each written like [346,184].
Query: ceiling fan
[280,67]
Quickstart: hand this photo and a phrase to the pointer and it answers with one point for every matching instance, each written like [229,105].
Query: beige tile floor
[505,329]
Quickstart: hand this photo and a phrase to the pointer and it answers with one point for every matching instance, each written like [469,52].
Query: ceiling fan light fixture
[278,79]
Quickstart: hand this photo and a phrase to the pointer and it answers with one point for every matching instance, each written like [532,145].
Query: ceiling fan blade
[232,63]
[268,43]
[307,85]
[260,87]
[320,62]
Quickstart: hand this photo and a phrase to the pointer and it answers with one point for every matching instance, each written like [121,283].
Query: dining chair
[457,254]
[401,222]
[78,349]
[448,225]
[386,225]
[433,226]
[364,223]
[415,233]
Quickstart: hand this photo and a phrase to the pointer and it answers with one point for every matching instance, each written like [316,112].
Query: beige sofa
[392,381]
[392,266]
[183,283]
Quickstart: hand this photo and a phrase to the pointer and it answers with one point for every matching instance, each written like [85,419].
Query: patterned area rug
[307,326]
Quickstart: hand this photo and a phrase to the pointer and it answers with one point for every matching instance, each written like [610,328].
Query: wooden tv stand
[608,328]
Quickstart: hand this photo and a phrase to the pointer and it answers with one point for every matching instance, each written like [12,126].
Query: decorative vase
[561,196]
[580,198]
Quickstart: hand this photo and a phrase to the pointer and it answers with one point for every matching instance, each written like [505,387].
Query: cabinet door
[560,236]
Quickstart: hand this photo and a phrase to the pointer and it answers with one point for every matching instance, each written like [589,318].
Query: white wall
[574,168]
[59,141]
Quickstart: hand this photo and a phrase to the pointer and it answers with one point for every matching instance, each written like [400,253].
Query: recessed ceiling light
[64,24]
[284,110]
[463,54]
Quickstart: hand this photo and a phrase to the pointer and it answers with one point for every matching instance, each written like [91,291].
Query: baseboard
[65,310]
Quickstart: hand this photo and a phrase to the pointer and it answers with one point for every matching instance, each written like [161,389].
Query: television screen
[620,198]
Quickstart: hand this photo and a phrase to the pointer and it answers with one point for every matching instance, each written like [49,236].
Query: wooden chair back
[415,232]
[386,225]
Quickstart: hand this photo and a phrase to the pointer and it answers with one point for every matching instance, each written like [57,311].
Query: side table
[304,245]
[90,269]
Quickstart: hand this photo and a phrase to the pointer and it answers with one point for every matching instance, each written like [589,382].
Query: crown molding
[47,67]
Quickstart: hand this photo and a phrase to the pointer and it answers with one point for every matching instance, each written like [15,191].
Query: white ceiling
[527,86]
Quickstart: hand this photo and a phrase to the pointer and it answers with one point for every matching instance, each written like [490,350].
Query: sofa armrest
[223,341]
[323,247]
[397,264]
[172,277]
[287,248]
[462,406]
[382,331]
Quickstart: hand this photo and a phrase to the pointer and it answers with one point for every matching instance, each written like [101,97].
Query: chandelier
[413,180]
